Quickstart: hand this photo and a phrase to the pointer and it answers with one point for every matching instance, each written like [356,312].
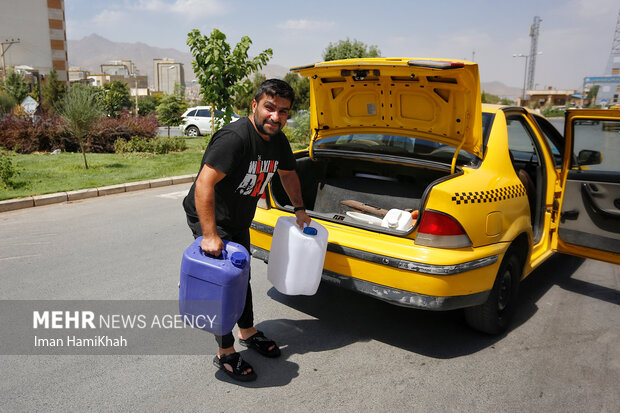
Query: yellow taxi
[435,201]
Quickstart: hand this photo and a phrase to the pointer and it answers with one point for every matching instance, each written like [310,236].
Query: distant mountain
[92,51]
[501,90]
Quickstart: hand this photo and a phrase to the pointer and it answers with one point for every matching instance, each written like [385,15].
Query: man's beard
[262,129]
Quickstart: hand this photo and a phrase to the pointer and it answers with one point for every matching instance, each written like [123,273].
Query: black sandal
[238,365]
[261,344]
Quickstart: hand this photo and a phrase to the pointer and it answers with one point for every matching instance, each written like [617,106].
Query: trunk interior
[340,189]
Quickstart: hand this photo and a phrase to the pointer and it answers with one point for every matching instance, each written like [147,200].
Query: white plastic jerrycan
[296,257]
[397,219]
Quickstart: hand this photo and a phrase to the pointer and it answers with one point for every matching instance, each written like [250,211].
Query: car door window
[192,113]
[203,113]
[554,139]
[520,140]
[595,144]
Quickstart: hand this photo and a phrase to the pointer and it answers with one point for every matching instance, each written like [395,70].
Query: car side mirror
[588,157]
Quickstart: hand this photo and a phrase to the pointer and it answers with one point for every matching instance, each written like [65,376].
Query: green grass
[45,173]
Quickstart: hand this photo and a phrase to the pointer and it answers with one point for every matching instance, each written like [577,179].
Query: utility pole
[8,43]
[534,30]
[614,55]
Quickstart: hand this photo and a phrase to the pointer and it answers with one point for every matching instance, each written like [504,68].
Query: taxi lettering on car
[433,200]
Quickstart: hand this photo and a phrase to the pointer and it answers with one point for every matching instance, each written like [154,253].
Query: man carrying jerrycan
[239,161]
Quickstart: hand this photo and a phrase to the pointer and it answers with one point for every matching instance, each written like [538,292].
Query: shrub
[25,135]
[163,145]
[145,126]
[109,130]
[160,145]
[7,102]
[7,170]
[135,144]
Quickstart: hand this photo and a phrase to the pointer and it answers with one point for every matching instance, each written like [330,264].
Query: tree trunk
[83,153]
[212,119]
[168,130]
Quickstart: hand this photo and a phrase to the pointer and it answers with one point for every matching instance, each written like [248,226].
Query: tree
[489,97]
[80,110]
[301,86]
[146,104]
[7,102]
[347,49]
[170,109]
[220,72]
[245,95]
[15,86]
[116,97]
[592,94]
[53,91]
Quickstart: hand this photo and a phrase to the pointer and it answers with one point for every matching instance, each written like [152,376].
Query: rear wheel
[494,316]
[192,131]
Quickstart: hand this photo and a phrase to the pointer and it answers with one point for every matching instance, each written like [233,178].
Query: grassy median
[43,173]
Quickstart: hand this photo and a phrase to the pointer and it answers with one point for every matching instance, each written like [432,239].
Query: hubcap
[503,298]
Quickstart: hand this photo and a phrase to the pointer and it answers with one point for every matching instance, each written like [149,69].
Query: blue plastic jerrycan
[212,289]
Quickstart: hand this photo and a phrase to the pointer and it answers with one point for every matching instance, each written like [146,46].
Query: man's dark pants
[243,237]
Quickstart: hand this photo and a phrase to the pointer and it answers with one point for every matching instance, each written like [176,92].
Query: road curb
[58,197]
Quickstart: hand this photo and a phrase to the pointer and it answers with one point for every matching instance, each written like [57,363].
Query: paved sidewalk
[39,200]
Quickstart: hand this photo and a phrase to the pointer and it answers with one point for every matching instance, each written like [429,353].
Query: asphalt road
[341,351]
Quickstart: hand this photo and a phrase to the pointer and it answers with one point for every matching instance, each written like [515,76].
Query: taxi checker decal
[494,195]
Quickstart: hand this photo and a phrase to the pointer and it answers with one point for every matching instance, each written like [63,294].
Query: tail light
[263,201]
[441,231]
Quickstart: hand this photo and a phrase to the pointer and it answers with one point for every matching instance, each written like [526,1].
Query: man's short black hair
[275,87]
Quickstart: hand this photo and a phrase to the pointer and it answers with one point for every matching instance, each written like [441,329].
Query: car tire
[192,131]
[494,316]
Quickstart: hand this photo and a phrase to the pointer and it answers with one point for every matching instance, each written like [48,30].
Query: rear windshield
[397,145]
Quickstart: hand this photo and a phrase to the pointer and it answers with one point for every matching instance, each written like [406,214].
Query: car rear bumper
[396,280]
[393,295]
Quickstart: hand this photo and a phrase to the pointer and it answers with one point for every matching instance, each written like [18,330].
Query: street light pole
[135,76]
[524,74]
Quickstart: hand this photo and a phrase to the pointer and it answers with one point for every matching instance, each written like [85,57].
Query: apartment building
[166,74]
[33,34]
[124,71]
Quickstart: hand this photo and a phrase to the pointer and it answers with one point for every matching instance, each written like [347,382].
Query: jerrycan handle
[223,255]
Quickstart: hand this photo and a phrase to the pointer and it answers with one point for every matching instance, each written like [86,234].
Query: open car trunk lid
[437,100]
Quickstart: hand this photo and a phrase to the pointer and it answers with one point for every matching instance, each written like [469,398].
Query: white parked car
[197,120]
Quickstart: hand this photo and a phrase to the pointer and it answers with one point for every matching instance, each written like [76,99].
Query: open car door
[590,209]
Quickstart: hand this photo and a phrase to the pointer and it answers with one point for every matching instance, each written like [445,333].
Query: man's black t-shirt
[249,163]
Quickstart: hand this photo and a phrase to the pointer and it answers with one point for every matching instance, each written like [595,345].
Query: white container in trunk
[397,219]
[296,258]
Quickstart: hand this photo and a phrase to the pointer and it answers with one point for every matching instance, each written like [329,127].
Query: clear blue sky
[575,36]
